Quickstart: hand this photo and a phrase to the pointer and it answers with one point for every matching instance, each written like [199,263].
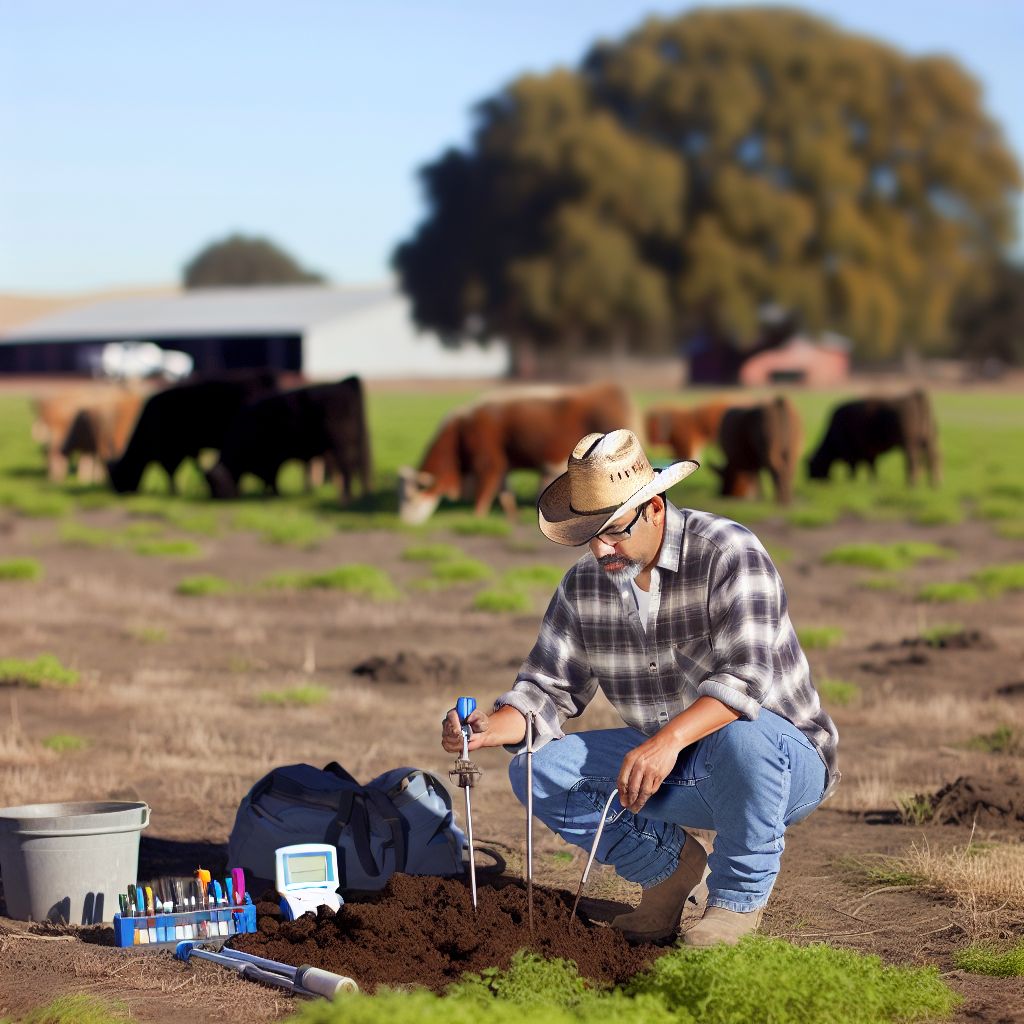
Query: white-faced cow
[178,423]
[99,432]
[761,437]
[532,428]
[322,420]
[861,430]
[685,431]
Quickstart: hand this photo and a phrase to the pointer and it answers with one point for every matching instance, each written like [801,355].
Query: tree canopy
[703,166]
[243,260]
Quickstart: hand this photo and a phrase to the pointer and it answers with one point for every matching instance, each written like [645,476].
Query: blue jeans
[748,781]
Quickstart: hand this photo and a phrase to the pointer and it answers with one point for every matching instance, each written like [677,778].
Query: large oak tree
[703,166]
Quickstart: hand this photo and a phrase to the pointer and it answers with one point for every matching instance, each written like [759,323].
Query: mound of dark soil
[423,931]
[990,802]
[406,667]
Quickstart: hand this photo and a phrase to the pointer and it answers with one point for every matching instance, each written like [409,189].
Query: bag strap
[356,817]
[335,769]
[393,817]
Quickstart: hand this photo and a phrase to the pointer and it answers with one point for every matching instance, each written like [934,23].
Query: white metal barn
[320,331]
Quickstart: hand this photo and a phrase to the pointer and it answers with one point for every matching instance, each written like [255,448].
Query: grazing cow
[176,424]
[862,430]
[322,420]
[766,436]
[476,446]
[98,433]
[685,431]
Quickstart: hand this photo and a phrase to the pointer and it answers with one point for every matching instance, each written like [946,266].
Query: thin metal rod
[529,818]
[593,852]
[469,821]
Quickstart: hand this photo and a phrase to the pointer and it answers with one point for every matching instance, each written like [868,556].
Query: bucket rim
[70,809]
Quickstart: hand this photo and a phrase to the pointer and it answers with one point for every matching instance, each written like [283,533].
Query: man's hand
[451,731]
[644,769]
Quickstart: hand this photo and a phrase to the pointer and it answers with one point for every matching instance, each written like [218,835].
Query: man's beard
[620,577]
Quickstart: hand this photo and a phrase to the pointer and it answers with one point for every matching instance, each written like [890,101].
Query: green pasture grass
[984,958]
[998,579]
[82,536]
[948,593]
[383,521]
[431,553]
[77,1009]
[21,569]
[461,570]
[760,979]
[819,638]
[1011,531]
[482,527]
[562,856]
[43,670]
[881,583]
[838,691]
[502,599]
[1004,739]
[999,508]
[354,578]
[296,696]
[900,555]
[934,635]
[543,577]
[278,524]
[142,530]
[812,518]
[779,555]
[65,743]
[883,870]
[35,501]
[167,547]
[914,808]
[204,585]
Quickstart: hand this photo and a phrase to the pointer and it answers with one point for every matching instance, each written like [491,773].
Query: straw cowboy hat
[608,475]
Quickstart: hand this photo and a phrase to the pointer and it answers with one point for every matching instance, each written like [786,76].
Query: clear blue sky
[131,133]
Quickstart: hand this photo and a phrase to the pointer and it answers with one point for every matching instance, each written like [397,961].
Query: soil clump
[990,802]
[410,668]
[423,931]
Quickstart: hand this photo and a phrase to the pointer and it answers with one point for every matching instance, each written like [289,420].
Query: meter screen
[309,867]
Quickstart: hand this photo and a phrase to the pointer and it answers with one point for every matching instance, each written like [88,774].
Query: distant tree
[243,260]
[991,325]
[706,165]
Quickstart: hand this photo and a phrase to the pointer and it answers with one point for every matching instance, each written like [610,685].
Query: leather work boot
[661,906]
[721,925]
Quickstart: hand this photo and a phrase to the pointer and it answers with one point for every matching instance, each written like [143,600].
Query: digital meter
[307,878]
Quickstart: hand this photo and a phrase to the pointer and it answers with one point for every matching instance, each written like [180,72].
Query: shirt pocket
[693,657]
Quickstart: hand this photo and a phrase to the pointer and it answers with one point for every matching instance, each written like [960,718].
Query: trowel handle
[464,707]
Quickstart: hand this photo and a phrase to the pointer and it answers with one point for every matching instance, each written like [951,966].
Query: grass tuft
[545,577]
[296,696]
[838,691]
[203,585]
[948,593]
[998,579]
[819,638]
[21,569]
[431,553]
[462,570]
[935,636]
[43,670]
[168,548]
[915,809]
[149,634]
[1003,740]
[77,1009]
[985,959]
[497,600]
[65,743]
[480,527]
[901,555]
[355,578]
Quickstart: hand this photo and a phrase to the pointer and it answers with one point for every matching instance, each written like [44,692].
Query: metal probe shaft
[593,853]
[469,818]
[529,818]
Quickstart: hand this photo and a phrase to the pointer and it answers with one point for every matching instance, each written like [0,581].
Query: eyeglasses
[618,536]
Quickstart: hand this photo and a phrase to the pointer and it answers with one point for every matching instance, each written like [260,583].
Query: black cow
[326,420]
[860,431]
[176,424]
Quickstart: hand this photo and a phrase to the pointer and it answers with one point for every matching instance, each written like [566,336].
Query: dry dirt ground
[170,705]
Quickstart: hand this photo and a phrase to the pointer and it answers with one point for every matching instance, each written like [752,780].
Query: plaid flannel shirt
[718,625]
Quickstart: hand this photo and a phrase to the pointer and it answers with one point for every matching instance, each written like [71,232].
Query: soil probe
[530,725]
[464,774]
[303,981]
[593,853]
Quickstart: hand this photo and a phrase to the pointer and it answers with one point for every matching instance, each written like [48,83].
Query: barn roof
[281,309]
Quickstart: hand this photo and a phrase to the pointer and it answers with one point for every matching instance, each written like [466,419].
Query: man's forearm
[505,726]
[703,717]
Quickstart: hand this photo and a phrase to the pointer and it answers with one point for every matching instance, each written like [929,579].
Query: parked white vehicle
[134,360]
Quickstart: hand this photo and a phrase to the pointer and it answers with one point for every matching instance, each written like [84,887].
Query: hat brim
[559,523]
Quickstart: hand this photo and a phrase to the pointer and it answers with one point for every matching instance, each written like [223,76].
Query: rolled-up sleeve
[747,608]
[555,681]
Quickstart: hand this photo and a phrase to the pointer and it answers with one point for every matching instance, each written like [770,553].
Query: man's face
[628,544]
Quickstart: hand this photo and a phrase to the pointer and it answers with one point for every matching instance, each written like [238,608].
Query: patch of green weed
[43,670]
[900,555]
[354,578]
[915,809]
[1011,531]
[998,579]
[812,518]
[948,593]
[881,583]
[483,527]
[544,577]
[462,570]
[431,553]
[498,599]
[838,691]
[819,638]
[83,536]
[296,696]
[562,856]
[1004,739]
[65,743]
[168,548]
[203,585]
[935,635]
[982,958]
[77,1009]
[283,525]
[21,569]
[150,634]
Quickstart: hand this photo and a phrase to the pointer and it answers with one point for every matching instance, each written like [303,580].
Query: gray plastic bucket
[68,862]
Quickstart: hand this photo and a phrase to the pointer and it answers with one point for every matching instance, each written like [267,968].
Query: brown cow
[476,446]
[99,433]
[685,431]
[767,436]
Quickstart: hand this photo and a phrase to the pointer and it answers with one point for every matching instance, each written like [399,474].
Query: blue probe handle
[464,707]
